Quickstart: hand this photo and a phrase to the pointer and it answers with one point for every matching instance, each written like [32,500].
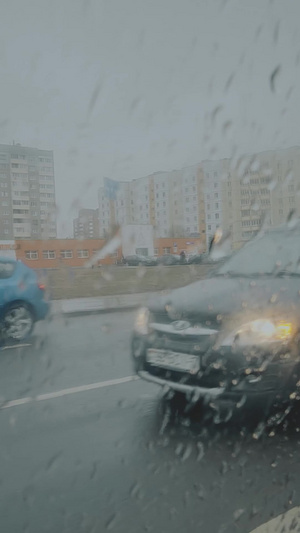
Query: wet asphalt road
[105,459]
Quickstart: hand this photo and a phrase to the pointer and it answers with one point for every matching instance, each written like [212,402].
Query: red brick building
[55,253]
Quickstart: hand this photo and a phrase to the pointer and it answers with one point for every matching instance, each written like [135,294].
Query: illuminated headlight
[260,332]
[141,324]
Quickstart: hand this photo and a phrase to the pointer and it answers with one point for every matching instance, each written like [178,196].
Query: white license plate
[174,361]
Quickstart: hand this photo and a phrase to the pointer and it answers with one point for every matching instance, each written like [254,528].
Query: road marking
[283,522]
[65,392]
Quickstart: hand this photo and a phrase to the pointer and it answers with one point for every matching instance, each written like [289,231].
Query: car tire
[18,322]
[174,404]
[176,407]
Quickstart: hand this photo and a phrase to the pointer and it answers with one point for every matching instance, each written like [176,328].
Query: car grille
[179,343]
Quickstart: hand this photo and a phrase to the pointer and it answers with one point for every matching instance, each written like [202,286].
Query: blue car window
[6,270]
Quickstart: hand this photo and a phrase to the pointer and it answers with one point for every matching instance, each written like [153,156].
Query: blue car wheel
[18,322]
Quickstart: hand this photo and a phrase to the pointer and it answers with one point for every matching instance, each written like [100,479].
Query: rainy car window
[149,266]
[6,270]
[274,253]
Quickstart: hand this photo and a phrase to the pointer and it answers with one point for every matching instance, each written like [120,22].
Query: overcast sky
[124,88]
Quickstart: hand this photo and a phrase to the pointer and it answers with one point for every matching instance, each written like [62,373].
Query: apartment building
[216,203]
[86,225]
[141,200]
[172,202]
[260,191]
[117,211]
[27,193]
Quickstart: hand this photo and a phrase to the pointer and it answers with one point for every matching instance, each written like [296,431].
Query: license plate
[174,361]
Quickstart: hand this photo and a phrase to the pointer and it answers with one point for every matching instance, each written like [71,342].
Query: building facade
[215,174]
[27,193]
[172,202]
[61,253]
[86,225]
[238,195]
[260,191]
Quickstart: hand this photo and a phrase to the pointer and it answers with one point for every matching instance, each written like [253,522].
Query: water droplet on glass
[224,468]
[289,176]
[255,166]
[187,452]
[273,78]
[255,205]
[200,448]
[238,513]
[106,275]
[292,219]
[111,522]
[272,185]
[259,430]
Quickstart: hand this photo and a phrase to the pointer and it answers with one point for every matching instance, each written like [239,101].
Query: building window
[209,227]
[82,254]
[216,195]
[166,251]
[49,254]
[114,254]
[156,251]
[31,254]
[216,215]
[66,254]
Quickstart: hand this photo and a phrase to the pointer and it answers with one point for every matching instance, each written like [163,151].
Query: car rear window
[6,269]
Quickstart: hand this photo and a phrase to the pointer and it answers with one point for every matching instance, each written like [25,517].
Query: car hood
[216,297]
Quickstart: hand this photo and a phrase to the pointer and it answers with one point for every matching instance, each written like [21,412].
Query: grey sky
[123,88]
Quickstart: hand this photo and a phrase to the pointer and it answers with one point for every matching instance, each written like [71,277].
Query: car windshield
[274,253]
[147,146]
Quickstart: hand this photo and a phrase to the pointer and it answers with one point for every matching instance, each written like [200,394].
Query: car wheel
[173,404]
[18,322]
[177,406]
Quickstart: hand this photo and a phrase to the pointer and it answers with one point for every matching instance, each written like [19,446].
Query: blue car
[22,299]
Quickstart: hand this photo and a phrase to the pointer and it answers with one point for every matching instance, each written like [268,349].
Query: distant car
[136,260]
[22,299]
[150,261]
[133,260]
[205,259]
[169,259]
[195,259]
[231,340]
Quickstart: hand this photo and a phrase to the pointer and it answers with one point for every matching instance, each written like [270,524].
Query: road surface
[85,448]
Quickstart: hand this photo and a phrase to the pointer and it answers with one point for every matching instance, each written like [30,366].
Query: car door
[7,281]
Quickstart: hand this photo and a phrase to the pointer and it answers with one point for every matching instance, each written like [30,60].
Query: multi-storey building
[86,225]
[27,193]
[260,191]
[215,174]
[237,195]
[172,202]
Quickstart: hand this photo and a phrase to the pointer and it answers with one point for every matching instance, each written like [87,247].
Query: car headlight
[141,324]
[260,332]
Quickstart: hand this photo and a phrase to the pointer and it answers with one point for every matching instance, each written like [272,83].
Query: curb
[97,305]
[83,312]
